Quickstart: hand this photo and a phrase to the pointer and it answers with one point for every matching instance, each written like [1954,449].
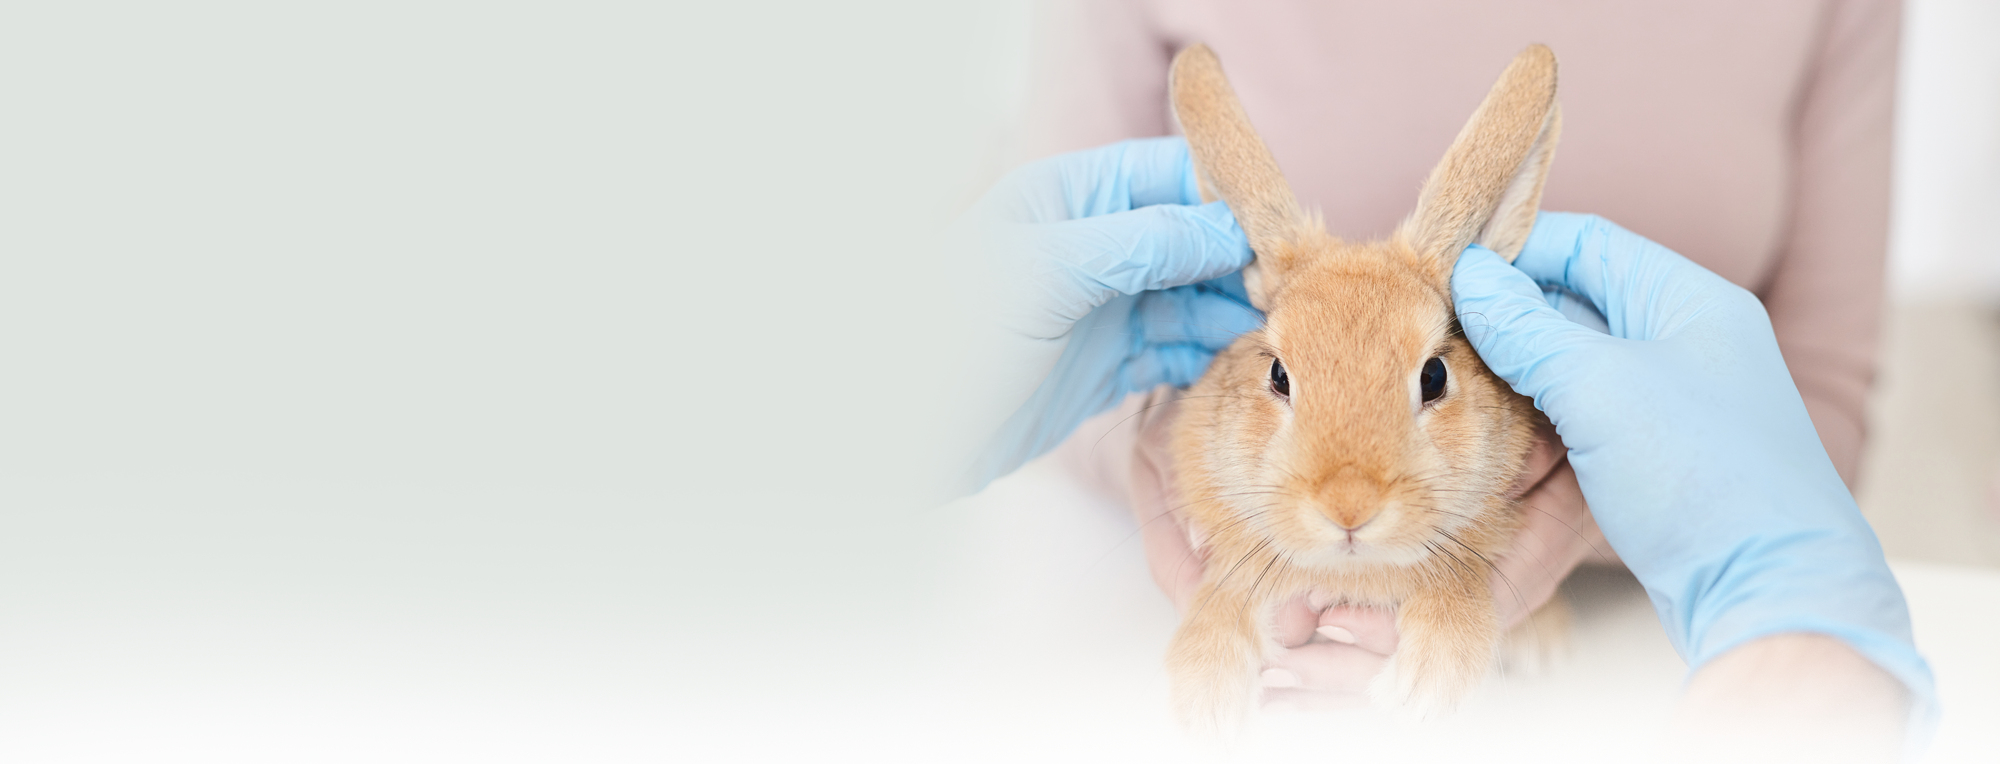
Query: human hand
[1691,442]
[1109,275]
[1333,650]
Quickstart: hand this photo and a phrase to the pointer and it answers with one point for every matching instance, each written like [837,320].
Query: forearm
[1799,697]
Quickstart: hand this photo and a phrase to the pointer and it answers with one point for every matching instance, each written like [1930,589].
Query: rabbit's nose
[1353,515]
[1352,518]
[1354,529]
[1351,497]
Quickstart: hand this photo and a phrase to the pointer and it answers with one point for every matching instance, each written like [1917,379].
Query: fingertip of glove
[1476,264]
[1161,169]
[1475,253]
[1220,221]
[1484,284]
[1184,157]
[1554,238]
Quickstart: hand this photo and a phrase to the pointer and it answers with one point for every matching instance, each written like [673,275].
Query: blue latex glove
[1690,442]
[1100,259]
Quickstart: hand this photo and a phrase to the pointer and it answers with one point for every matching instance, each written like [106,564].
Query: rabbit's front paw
[1428,683]
[1210,701]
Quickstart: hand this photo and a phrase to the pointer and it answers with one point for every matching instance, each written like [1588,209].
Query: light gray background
[469,381]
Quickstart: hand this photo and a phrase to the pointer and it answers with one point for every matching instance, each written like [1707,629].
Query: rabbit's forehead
[1348,318]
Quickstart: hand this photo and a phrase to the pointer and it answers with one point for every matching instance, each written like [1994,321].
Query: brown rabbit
[1355,445]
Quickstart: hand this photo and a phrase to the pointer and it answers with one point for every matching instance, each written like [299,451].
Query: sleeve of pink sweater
[1825,294]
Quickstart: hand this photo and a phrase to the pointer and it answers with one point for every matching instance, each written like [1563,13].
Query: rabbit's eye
[1281,383]
[1431,381]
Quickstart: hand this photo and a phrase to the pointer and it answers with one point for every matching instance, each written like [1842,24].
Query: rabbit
[1355,445]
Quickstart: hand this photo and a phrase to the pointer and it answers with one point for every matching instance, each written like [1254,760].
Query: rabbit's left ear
[1232,163]
[1489,184]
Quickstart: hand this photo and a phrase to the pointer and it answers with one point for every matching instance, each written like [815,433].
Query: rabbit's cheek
[1306,535]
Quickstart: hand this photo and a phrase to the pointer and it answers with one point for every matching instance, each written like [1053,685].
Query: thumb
[1157,247]
[1511,325]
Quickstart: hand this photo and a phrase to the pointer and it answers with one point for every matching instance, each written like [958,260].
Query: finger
[1323,667]
[1173,562]
[1295,622]
[1179,331]
[1103,180]
[1307,701]
[1158,171]
[1525,577]
[1575,309]
[1552,541]
[1175,565]
[1155,247]
[1367,628]
[1232,287]
[1196,314]
[1557,510]
[1608,266]
[1543,456]
[1522,339]
[1176,365]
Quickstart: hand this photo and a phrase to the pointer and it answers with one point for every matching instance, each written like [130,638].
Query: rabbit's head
[1358,426]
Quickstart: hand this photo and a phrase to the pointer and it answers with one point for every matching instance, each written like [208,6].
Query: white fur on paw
[1398,691]
[1387,691]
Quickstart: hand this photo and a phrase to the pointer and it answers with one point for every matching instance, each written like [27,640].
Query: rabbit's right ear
[1232,163]
[1489,184]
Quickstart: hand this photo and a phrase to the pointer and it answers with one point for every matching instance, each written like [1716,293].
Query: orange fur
[1276,484]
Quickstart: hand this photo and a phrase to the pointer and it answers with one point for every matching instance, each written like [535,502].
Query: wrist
[1830,581]
[1787,699]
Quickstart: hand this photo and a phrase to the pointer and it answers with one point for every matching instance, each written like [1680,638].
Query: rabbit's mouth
[1348,555]
[1372,543]
[1350,547]
[1351,543]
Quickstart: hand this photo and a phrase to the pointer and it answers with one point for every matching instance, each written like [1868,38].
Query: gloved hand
[1690,443]
[1095,259]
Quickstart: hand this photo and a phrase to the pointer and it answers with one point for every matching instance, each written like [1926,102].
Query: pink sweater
[1752,137]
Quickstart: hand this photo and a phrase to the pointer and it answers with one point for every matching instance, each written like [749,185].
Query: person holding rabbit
[1716,464]
[1753,138]
[1679,418]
